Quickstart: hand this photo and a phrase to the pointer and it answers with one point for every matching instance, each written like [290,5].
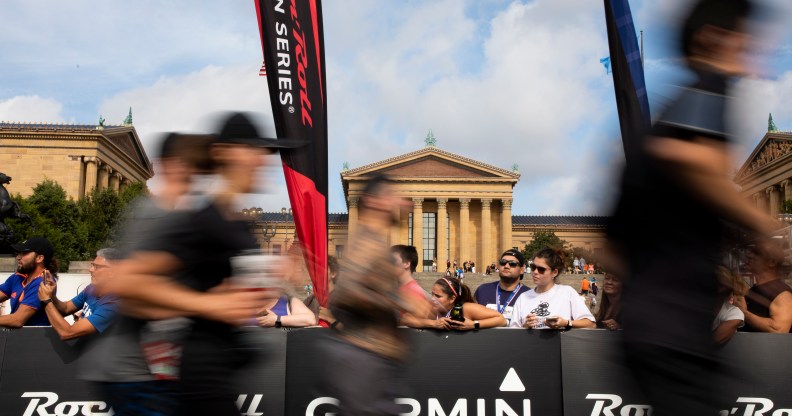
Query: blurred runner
[365,361]
[674,203]
[181,272]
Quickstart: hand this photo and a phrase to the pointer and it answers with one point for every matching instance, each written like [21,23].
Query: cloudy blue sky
[499,81]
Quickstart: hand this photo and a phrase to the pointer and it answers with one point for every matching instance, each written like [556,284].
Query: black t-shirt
[671,239]
[205,241]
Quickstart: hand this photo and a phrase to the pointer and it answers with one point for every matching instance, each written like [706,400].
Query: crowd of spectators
[764,307]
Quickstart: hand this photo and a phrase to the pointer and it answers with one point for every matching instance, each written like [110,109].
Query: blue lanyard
[500,307]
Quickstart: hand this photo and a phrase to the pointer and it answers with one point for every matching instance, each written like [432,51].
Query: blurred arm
[702,166]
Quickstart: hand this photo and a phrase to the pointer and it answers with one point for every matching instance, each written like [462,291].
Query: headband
[448,282]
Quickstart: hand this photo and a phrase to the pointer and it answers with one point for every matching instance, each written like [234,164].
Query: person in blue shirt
[34,259]
[98,309]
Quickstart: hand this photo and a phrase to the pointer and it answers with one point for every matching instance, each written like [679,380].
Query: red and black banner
[293,44]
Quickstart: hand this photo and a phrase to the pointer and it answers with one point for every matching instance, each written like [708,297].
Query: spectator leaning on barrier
[34,258]
[730,318]
[768,304]
[98,309]
[406,260]
[609,312]
[323,315]
[550,305]
[285,311]
[450,294]
[501,295]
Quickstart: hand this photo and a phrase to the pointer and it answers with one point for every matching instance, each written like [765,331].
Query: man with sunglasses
[34,258]
[500,295]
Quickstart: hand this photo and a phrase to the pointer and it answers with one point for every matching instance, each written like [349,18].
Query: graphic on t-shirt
[86,310]
[542,309]
[507,311]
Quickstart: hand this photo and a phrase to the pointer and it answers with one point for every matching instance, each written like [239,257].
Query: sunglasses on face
[511,263]
[540,269]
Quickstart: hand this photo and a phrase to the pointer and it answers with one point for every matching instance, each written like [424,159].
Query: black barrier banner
[497,372]
[262,383]
[756,380]
[500,372]
[39,375]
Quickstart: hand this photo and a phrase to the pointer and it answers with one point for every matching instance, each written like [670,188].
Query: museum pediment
[431,162]
[126,140]
[773,148]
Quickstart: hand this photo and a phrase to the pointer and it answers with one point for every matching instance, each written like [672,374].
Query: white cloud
[521,83]
[32,109]
[537,99]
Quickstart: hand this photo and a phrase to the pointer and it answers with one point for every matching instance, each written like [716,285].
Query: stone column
[787,185]
[506,225]
[418,230]
[442,231]
[464,225]
[123,185]
[353,216]
[104,176]
[775,200]
[762,201]
[395,231]
[486,234]
[90,173]
[115,180]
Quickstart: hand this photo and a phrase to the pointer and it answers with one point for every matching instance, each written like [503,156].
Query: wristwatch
[45,302]
[278,323]
[476,325]
[568,325]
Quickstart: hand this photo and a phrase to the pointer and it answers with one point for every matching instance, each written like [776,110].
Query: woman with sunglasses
[550,305]
[609,313]
[449,293]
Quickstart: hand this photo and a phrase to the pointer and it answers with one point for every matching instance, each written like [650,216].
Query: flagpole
[642,55]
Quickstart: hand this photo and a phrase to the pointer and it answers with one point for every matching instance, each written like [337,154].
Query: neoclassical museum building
[78,157]
[766,176]
[461,210]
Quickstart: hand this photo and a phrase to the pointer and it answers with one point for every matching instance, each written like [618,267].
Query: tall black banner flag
[292,39]
[628,76]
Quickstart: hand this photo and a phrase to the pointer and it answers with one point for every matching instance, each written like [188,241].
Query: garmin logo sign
[433,407]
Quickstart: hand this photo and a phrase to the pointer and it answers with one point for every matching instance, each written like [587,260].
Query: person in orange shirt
[585,285]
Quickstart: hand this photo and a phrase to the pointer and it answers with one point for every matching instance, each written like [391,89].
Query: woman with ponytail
[550,305]
[449,295]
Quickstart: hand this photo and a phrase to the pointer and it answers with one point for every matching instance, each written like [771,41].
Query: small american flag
[263,70]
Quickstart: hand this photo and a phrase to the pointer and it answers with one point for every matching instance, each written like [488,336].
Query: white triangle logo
[512,382]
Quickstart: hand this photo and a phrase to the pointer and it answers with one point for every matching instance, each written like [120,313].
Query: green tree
[787,209]
[55,217]
[102,210]
[542,239]
[76,229]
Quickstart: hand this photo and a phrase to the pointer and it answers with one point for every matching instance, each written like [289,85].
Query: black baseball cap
[38,244]
[239,129]
[516,253]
